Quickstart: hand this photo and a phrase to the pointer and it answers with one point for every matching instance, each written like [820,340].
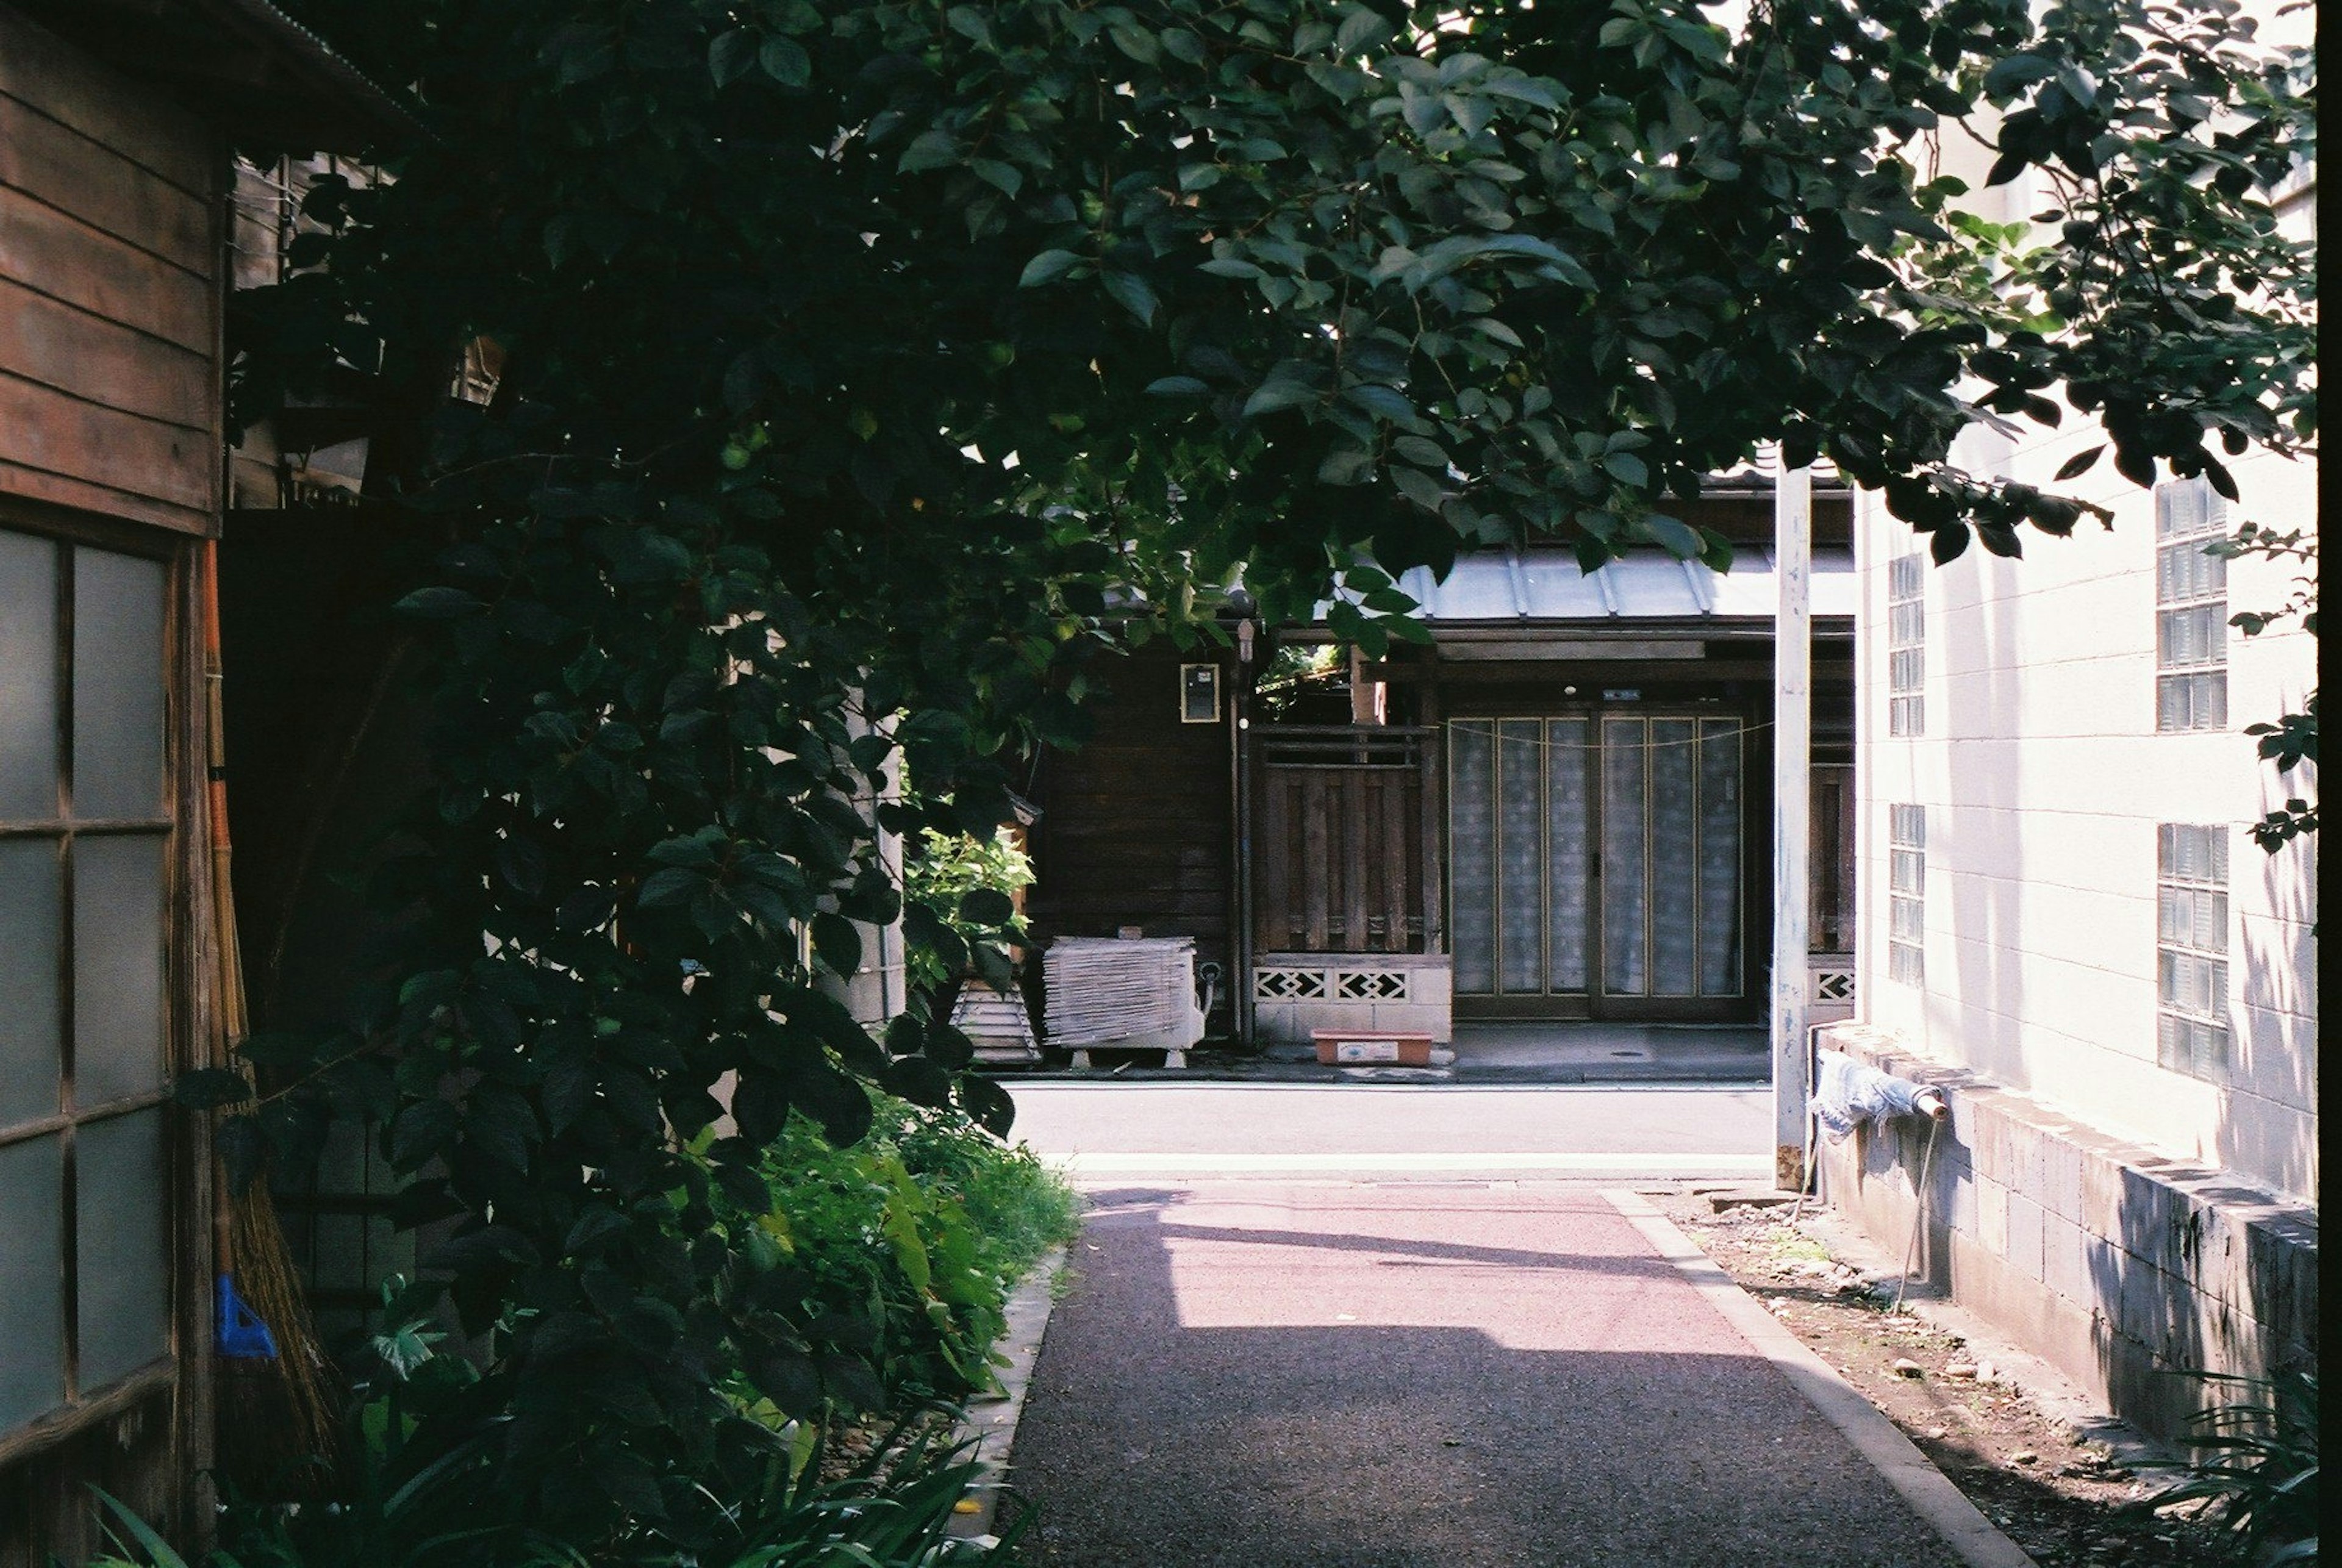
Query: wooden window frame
[182,1374]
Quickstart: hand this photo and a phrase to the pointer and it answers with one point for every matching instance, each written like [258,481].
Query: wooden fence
[1341,837]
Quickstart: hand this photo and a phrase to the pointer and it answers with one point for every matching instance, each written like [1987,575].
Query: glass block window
[2191,949]
[2191,608]
[1906,650]
[85,836]
[1906,890]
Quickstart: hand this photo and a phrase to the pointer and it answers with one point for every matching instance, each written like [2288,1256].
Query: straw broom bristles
[251,1247]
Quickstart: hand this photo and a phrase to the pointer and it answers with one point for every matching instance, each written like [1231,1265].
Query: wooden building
[115,122]
[1561,809]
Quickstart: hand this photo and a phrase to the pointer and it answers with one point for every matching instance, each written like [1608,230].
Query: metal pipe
[1241,1018]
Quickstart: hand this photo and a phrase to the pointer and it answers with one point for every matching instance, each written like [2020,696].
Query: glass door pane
[1719,857]
[1568,852]
[122,1311]
[1674,857]
[1625,898]
[117,685]
[31,906]
[117,961]
[1520,898]
[28,677]
[32,1280]
[1472,847]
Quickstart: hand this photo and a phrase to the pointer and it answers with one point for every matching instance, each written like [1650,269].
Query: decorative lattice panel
[1833,986]
[1296,983]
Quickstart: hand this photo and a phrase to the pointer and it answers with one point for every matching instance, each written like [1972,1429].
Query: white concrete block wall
[2044,780]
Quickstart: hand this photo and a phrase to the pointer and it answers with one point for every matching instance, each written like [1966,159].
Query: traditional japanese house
[116,125]
[1559,809]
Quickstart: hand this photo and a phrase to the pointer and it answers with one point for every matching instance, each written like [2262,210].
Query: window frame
[2177,884]
[2191,608]
[1906,897]
[181,1373]
[1907,645]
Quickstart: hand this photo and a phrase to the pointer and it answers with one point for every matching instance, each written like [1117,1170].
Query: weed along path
[1292,1374]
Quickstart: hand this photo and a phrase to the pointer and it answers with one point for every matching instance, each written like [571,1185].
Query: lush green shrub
[943,871]
[902,1248]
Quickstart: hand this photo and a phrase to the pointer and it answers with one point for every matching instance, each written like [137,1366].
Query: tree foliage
[857,358]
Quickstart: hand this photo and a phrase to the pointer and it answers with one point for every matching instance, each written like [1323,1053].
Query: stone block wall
[2121,1267]
[1295,993]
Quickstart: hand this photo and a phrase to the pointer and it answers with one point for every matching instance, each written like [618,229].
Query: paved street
[1330,1327]
[1376,1131]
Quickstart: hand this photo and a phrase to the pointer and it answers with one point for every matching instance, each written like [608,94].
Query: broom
[280,1408]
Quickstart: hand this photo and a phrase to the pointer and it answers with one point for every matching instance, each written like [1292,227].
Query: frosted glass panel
[1471,752]
[1568,852]
[28,676]
[1624,876]
[1719,858]
[32,1280]
[121,1195]
[1675,814]
[31,906]
[117,962]
[1520,859]
[117,701]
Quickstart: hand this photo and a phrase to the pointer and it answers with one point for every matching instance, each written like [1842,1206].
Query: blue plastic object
[239,1332]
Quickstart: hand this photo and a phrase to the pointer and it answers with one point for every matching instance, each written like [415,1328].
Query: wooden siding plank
[41,428]
[102,362]
[42,70]
[1313,861]
[58,490]
[68,260]
[1396,806]
[1270,849]
[74,174]
[1351,868]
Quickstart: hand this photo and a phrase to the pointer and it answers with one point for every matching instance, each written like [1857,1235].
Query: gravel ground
[2066,1501]
[1338,1375]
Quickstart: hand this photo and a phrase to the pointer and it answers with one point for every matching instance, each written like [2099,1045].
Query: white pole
[1793,510]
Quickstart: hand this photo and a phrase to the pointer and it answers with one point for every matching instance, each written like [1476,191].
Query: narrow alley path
[1424,1375]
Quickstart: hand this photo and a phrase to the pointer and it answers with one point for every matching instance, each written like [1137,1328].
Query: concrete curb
[990,1419]
[1972,1537]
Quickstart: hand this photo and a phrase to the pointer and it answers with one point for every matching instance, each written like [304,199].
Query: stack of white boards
[1122,994]
[995,1024]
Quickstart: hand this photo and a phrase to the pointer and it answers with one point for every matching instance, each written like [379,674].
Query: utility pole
[1793,722]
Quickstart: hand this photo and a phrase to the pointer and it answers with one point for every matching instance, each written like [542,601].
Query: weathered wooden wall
[110,207]
[1135,827]
[1338,840]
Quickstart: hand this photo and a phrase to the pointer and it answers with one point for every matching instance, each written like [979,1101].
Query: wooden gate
[1339,838]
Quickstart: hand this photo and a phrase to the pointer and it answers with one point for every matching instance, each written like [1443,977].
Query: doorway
[1597,864]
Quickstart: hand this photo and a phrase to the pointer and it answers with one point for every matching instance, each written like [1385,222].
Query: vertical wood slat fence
[1338,838]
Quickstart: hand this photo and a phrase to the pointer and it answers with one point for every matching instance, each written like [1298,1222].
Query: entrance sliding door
[1596,865]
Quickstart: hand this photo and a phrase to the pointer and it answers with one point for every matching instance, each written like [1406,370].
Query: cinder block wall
[1295,993]
[2118,1265]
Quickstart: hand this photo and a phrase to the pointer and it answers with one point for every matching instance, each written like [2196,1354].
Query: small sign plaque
[1199,694]
[1365,1051]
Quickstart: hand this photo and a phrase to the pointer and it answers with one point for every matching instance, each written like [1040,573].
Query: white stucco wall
[2044,780]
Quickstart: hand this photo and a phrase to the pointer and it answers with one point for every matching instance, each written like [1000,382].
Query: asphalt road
[1431,1374]
[1107,1131]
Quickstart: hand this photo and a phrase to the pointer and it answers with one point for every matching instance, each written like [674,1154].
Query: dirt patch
[2063,1499]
